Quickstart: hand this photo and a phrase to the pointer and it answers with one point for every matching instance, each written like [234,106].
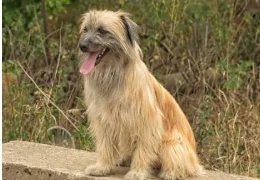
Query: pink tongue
[88,63]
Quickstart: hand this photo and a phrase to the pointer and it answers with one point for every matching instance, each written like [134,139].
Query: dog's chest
[111,107]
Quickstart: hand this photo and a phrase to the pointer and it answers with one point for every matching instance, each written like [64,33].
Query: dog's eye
[85,30]
[102,31]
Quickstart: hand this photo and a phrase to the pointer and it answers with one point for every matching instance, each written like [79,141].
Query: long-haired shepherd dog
[132,116]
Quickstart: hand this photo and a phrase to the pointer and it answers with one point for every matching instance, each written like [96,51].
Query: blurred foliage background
[205,52]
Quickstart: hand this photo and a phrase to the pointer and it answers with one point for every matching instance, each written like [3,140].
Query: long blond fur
[132,116]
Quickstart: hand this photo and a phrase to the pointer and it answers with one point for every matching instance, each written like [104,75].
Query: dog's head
[105,34]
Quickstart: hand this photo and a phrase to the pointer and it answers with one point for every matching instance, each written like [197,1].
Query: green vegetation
[215,45]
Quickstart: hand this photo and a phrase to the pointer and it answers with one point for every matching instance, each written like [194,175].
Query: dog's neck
[107,77]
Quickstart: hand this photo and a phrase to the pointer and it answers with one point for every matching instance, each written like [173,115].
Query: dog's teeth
[101,53]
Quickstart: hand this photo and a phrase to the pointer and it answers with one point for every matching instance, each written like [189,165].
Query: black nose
[83,47]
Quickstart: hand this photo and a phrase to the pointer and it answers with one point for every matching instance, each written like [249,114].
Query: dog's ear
[130,27]
[82,22]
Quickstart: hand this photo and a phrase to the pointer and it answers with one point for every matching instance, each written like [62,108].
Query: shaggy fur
[132,116]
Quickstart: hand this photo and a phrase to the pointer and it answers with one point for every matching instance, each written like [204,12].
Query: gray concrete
[32,161]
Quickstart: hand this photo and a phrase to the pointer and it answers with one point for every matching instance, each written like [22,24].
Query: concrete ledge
[32,161]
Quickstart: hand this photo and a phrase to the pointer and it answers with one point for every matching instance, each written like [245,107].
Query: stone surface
[32,161]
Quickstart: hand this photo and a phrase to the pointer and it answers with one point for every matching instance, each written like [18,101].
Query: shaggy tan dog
[131,115]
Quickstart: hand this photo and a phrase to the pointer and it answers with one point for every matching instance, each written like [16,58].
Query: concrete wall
[32,161]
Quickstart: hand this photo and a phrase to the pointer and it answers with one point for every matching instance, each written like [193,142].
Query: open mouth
[90,61]
[101,55]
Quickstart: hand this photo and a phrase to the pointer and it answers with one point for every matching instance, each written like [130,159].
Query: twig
[57,66]
[47,96]
[46,31]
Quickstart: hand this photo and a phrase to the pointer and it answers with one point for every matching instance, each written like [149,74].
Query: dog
[131,115]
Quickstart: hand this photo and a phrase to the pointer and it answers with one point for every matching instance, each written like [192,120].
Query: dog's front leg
[144,156]
[107,154]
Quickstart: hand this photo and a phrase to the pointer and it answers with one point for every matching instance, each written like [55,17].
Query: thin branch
[47,96]
[46,31]
[57,66]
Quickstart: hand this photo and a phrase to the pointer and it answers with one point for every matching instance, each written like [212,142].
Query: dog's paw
[97,170]
[134,175]
[167,176]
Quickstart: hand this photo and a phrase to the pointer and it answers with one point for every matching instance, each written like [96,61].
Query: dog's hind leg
[142,159]
[125,149]
[178,159]
[144,156]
